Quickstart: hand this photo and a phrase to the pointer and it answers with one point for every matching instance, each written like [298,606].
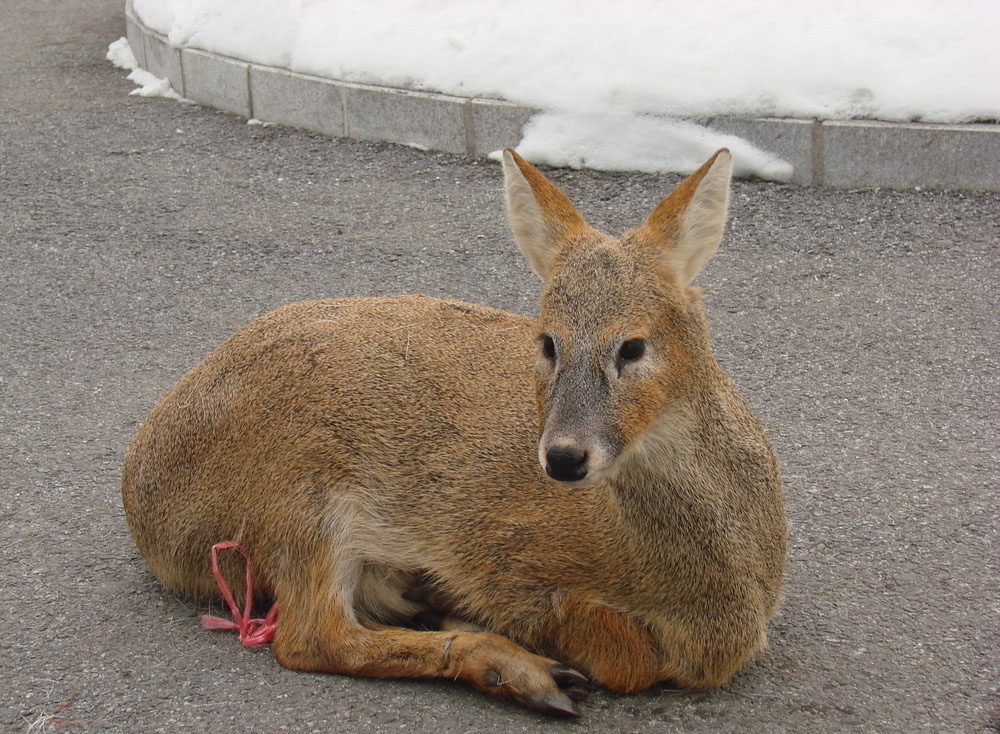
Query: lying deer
[586,487]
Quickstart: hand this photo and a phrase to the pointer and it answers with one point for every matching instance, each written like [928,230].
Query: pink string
[252,631]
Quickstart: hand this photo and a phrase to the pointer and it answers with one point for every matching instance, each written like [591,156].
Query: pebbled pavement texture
[136,234]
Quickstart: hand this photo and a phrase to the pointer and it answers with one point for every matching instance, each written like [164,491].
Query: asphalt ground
[136,234]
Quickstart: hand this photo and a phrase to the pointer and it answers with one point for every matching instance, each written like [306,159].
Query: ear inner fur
[540,214]
[688,224]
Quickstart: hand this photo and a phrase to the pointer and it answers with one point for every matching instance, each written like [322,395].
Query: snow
[600,69]
[120,54]
[621,142]
[152,86]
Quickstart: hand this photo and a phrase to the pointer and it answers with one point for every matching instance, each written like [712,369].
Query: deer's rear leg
[318,631]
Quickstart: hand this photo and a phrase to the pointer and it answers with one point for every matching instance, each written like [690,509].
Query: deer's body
[364,448]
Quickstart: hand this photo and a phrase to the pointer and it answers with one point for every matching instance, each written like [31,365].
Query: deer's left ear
[688,224]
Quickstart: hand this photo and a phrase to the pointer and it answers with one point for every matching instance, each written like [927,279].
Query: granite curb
[831,153]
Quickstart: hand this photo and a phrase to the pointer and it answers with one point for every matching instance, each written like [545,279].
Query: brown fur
[360,448]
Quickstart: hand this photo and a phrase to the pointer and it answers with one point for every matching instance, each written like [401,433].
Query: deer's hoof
[554,703]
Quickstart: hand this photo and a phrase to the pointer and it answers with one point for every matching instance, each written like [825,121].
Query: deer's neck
[680,475]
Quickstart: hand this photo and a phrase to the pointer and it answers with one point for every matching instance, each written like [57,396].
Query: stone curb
[837,154]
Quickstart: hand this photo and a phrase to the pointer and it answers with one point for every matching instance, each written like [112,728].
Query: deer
[433,488]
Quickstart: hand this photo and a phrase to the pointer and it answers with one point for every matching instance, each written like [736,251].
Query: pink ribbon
[252,631]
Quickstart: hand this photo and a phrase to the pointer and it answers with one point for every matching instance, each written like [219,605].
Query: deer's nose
[566,464]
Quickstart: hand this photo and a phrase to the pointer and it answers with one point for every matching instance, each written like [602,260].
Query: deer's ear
[540,214]
[688,224]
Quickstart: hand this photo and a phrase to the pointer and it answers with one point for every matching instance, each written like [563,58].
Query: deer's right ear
[540,214]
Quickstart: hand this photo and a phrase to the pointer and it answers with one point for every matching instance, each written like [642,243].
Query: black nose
[566,465]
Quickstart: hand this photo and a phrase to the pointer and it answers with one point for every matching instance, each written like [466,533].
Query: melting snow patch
[621,142]
[120,54]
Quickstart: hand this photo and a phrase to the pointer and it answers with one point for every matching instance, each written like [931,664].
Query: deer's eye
[631,350]
[548,348]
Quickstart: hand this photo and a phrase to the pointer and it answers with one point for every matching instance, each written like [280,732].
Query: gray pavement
[136,234]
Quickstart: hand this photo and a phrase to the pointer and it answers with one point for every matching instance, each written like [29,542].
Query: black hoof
[428,620]
[554,703]
[565,676]
[417,594]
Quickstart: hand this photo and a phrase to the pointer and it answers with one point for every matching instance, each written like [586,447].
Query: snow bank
[602,63]
[911,60]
